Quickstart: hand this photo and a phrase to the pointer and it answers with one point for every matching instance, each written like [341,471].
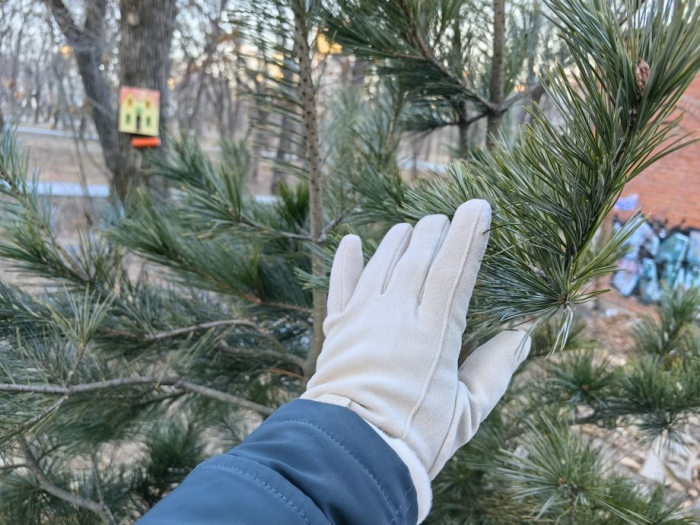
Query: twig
[98,482]
[430,58]
[286,373]
[48,486]
[280,353]
[203,326]
[223,397]
[273,304]
[56,405]
[335,222]
[176,382]
[268,230]
[283,356]
[39,417]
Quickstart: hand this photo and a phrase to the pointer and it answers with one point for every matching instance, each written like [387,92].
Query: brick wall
[670,189]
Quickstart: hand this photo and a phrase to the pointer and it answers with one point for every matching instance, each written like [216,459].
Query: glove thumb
[483,379]
[487,372]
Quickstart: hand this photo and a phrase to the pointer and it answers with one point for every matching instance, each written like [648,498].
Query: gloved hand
[393,338]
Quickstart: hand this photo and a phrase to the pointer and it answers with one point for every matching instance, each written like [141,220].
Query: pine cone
[642,74]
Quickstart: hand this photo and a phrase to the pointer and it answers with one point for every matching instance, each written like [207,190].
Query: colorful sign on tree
[139,111]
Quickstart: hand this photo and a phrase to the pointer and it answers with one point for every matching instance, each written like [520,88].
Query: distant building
[665,251]
[669,191]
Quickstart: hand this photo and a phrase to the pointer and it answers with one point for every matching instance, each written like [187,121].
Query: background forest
[165,322]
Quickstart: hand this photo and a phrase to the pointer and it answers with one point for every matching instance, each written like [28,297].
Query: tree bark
[144,58]
[497,71]
[312,152]
[463,129]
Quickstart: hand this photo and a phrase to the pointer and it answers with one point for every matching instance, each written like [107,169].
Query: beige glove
[393,337]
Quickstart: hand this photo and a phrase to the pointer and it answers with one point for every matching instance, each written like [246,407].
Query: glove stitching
[452,422]
[433,366]
[342,279]
[394,260]
[394,510]
[443,234]
[261,482]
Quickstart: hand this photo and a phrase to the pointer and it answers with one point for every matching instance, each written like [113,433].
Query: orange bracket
[145,142]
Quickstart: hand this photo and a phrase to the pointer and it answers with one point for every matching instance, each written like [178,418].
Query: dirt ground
[58,160]
[61,158]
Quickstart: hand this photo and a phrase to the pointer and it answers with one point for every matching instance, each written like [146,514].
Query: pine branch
[203,326]
[268,230]
[57,404]
[280,353]
[552,190]
[175,382]
[427,55]
[49,487]
[330,227]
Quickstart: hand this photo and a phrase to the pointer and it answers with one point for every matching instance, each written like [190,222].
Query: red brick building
[670,189]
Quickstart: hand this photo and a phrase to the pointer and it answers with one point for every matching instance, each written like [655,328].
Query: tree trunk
[497,71]
[88,45]
[533,44]
[312,152]
[463,128]
[144,57]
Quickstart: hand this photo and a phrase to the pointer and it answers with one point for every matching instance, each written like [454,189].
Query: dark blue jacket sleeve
[309,464]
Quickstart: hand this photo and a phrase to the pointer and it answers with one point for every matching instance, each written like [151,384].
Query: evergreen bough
[172,329]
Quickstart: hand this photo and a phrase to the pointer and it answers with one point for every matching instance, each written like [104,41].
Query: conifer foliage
[171,329]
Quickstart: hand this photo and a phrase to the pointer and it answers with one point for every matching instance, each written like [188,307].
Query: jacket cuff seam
[394,509]
[255,479]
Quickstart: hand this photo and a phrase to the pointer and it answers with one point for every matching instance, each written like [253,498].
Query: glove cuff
[419,475]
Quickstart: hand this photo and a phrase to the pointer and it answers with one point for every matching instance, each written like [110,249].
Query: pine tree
[173,328]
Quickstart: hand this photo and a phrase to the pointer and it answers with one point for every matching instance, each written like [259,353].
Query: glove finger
[380,267]
[345,273]
[412,269]
[486,374]
[452,275]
